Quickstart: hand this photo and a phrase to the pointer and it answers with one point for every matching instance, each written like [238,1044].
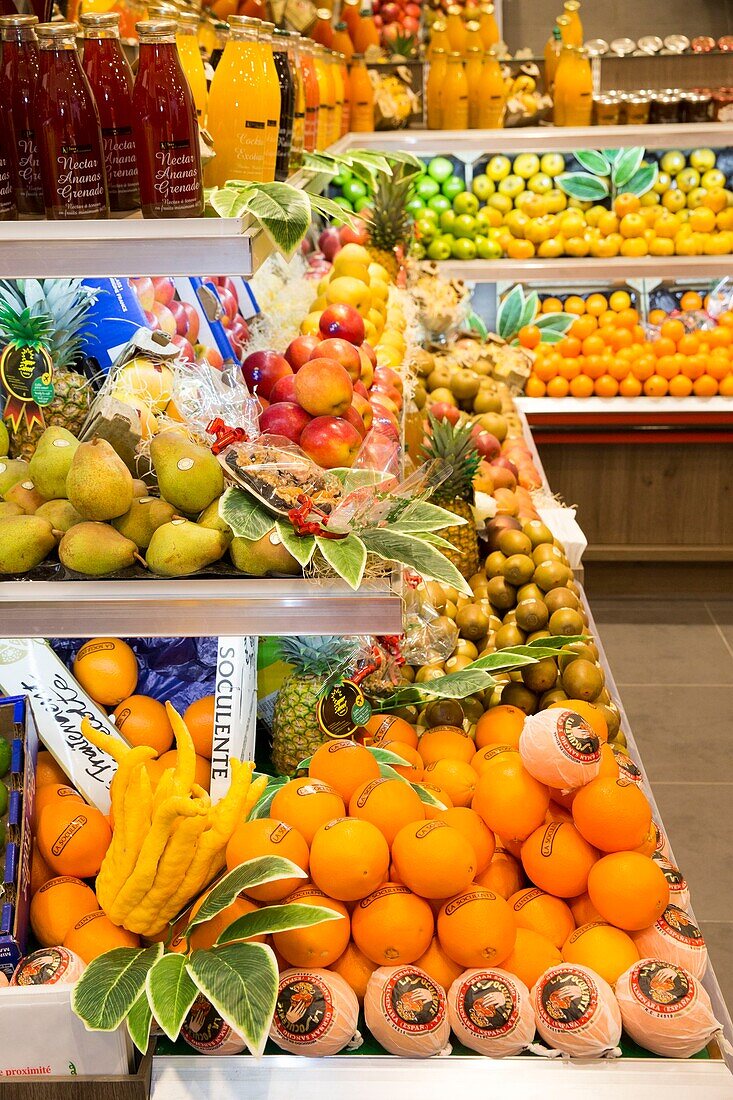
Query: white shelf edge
[639,406]
[586,268]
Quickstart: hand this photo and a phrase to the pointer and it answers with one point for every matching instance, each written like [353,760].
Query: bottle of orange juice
[271,91]
[322,32]
[366,33]
[438,39]
[474,40]
[474,68]
[362,96]
[574,34]
[456,30]
[298,142]
[338,84]
[576,88]
[346,114]
[192,63]
[238,108]
[552,57]
[489,26]
[327,93]
[350,14]
[491,94]
[342,40]
[455,93]
[311,91]
[434,88]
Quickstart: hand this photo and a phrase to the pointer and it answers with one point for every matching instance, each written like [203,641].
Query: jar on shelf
[696,106]
[637,109]
[606,110]
[665,109]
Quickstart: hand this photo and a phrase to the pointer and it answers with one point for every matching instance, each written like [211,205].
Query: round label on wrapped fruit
[678,889]
[488,1005]
[662,989]
[576,738]
[412,1001]
[206,1032]
[304,1009]
[342,709]
[674,922]
[49,966]
[567,999]
[626,766]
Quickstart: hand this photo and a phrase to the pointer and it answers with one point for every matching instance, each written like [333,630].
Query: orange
[609,765]
[628,889]
[57,905]
[690,300]
[533,954]
[619,299]
[478,835]
[501,725]
[725,389]
[433,859]
[504,875]
[454,776]
[529,336]
[583,910]
[656,316]
[349,858]
[199,719]
[345,765]
[605,949]
[583,326]
[206,934]
[631,225]
[569,347]
[107,670]
[592,714]
[605,386]
[534,387]
[412,770]
[688,344]
[48,771]
[593,345]
[630,386]
[392,926]
[656,386]
[644,367]
[306,804]
[663,346]
[625,203]
[388,727]
[558,860]
[612,814]
[486,756]
[477,928]
[582,386]
[265,836]
[442,796]
[390,804]
[144,721]
[702,219]
[673,329]
[542,913]
[446,743]
[705,386]
[438,965]
[73,838]
[510,801]
[52,792]
[558,387]
[574,303]
[318,944]
[570,368]
[544,369]
[720,337]
[594,366]
[169,759]
[596,304]
[355,968]
[94,933]
[40,871]
[552,305]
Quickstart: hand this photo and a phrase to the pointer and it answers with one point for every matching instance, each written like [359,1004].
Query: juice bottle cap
[104,19]
[238,22]
[436,51]
[323,13]
[472,26]
[475,49]
[9,21]
[156,30]
[563,21]
[161,10]
[188,19]
[56,30]
[439,26]
[571,5]
[340,26]
[454,9]
[454,54]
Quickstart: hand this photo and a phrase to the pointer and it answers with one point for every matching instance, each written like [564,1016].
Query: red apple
[361,389]
[506,463]
[358,235]
[330,441]
[284,389]
[389,376]
[410,25]
[487,444]
[323,387]
[443,411]
[299,350]
[354,418]
[384,402]
[367,369]
[262,369]
[144,291]
[166,320]
[413,10]
[284,418]
[194,321]
[343,322]
[180,317]
[165,289]
[230,305]
[186,347]
[370,353]
[390,12]
[343,352]
[363,408]
[228,283]
[390,32]
[385,424]
[151,320]
[329,242]
[501,477]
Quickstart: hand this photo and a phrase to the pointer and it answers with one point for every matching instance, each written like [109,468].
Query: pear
[10,508]
[210,518]
[263,557]
[139,488]
[51,461]
[182,547]
[189,476]
[26,495]
[144,516]
[12,470]
[96,549]
[24,543]
[4,438]
[99,485]
[61,513]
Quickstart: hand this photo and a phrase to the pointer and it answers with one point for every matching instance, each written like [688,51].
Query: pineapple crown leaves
[608,172]
[455,444]
[23,329]
[319,655]
[516,311]
[54,311]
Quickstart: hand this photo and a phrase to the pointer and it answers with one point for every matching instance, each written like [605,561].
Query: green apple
[362,204]
[465,203]
[498,167]
[439,203]
[482,186]
[453,187]
[673,162]
[540,183]
[426,187]
[702,159]
[446,219]
[526,165]
[354,189]
[439,249]
[552,164]
[415,206]
[483,217]
[440,169]
[429,215]
[464,226]
[511,186]
[341,201]
[418,250]
[464,249]
[488,249]
[696,197]
[344,174]
[426,229]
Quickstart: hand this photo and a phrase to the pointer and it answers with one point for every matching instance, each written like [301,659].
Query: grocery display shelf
[583,269]
[616,419]
[196,607]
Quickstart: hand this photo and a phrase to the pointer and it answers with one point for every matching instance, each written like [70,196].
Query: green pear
[51,461]
[4,438]
[61,513]
[182,547]
[189,477]
[24,542]
[96,549]
[10,508]
[210,518]
[144,516]
[26,495]
[263,557]
[12,470]
[99,485]
[139,488]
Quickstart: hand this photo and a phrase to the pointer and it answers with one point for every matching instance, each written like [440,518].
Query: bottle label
[119,159]
[29,167]
[80,182]
[176,180]
[6,187]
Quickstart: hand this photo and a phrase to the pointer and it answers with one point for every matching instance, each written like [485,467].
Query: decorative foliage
[516,311]
[608,173]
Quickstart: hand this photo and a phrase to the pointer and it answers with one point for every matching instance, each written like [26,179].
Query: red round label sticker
[675,922]
[413,1002]
[662,988]
[204,1028]
[567,999]
[576,739]
[488,1005]
[304,1008]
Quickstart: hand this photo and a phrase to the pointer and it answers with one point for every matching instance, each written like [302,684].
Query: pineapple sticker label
[342,709]
[26,374]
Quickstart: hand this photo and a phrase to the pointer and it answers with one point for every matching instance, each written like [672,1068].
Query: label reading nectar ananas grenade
[342,709]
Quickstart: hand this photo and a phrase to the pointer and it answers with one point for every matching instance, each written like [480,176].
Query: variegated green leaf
[229,202]
[612,155]
[593,160]
[277,918]
[414,552]
[261,808]
[139,1019]
[529,309]
[643,180]
[559,322]
[421,516]
[330,209]
[557,641]
[240,980]
[247,518]
[627,165]
[171,992]
[255,872]
[347,557]
[385,756]
[509,313]
[302,547]
[580,185]
[283,211]
[428,797]
[111,984]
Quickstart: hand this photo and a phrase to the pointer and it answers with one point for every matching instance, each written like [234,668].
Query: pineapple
[51,312]
[455,445]
[390,224]
[296,733]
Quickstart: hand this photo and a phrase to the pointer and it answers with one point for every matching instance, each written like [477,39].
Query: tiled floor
[673,664]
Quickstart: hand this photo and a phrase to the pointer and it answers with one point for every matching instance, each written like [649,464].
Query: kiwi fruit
[472,622]
[518,569]
[582,680]
[538,634]
[513,542]
[508,636]
[530,592]
[517,695]
[551,574]
[531,614]
[565,621]
[537,532]
[541,677]
[573,651]
[556,695]
[560,597]
[428,672]
[494,564]
[466,648]
[546,552]
[503,595]
[444,712]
